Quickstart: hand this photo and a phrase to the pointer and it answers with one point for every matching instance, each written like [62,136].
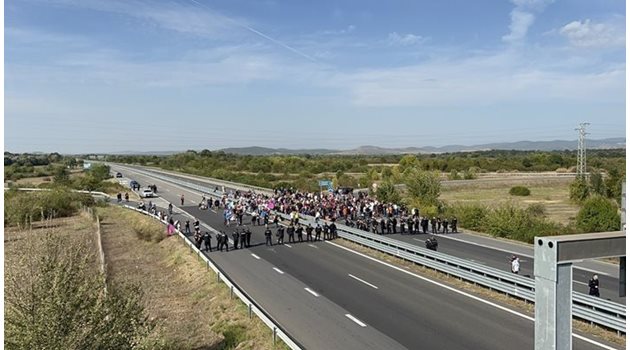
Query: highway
[491,252]
[328,297]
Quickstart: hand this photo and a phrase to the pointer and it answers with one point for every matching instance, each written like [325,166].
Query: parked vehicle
[147,193]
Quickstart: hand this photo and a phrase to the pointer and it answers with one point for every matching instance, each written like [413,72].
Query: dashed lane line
[356,320]
[311,291]
[362,281]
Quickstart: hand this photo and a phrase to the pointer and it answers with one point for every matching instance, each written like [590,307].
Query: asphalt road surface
[496,254]
[328,297]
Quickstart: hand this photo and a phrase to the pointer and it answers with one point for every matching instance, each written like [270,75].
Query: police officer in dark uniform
[248,237]
[445,225]
[309,233]
[268,241]
[299,230]
[280,235]
[389,225]
[394,224]
[333,230]
[206,241]
[416,225]
[243,238]
[318,232]
[425,225]
[454,224]
[291,233]
[434,225]
[235,237]
[410,224]
[383,226]
[431,243]
[402,226]
[326,232]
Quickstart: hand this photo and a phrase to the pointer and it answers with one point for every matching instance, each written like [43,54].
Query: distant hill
[617,142]
[263,151]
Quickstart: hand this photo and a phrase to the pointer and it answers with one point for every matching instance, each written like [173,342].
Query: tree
[61,175]
[100,172]
[408,161]
[55,300]
[598,214]
[597,183]
[579,190]
[423,186]
[387,193]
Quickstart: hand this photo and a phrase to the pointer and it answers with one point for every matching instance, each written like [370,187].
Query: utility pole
[581,156]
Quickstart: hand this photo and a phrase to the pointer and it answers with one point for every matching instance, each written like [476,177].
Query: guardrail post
[218,277]
[231,292]
[250,311]
[275,334]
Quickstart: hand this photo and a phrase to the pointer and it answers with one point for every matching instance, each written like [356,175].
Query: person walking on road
[268,241]
[593,286]
[181,199]
[126,196]
[516,264]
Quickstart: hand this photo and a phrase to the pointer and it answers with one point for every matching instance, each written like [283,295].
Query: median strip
[279,271]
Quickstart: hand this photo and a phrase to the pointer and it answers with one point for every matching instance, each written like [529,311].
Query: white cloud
[404,40]
[522,17]
[481,80]
[519,25]
[591,35]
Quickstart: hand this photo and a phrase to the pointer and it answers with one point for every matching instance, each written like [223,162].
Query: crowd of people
[360,211]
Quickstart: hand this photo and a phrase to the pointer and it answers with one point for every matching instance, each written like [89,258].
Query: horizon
[99,76]
[132,152]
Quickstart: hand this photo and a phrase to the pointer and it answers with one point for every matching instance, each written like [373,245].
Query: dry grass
[552,193]
[193,311]
[500,298]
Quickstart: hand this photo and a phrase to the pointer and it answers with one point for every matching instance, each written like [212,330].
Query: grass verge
[192,310]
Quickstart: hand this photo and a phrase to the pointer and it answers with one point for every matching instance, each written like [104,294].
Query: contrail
[261,34]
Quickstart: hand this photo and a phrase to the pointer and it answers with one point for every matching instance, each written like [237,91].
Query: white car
[147,193]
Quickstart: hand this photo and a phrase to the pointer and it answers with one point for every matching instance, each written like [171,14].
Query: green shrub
[598,214]
[471,216]
[579,190]
[519,191]
[22,208]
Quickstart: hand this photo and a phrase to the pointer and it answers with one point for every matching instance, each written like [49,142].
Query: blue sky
[116,75]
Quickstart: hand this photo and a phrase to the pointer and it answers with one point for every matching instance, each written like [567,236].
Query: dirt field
[553,193]
[192,309]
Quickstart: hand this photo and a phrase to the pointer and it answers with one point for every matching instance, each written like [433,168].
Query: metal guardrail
[597,311]
[252,306]
[92,193]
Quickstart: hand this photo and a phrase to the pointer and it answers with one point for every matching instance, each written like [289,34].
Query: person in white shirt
[516,264]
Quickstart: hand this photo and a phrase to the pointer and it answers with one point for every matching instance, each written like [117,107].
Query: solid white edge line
[311,291]
[362,281]
[463,293]
[355,320]
[288,245]
[256,256]
[278,270]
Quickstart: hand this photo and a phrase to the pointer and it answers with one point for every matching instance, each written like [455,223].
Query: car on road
[147,193]
[119,175]
[133,184]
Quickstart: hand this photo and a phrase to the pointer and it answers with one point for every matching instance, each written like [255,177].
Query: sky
[85,76]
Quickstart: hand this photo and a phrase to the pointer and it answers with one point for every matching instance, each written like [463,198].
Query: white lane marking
[360,280]
[278,270]
[311,291]
[516,313]
[313,246]
[578,282]
[288,245]
[256,256]
[356,320]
